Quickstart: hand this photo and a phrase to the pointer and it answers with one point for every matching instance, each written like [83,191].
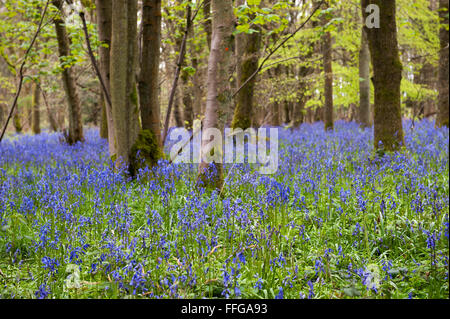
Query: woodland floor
[336,221]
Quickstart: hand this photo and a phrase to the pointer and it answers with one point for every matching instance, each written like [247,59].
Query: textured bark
[247,54]
[207,22]
[364,81]
[443,111]
[75,122]
[104,23]
[103,119]
[149,73]
[387,69]
[328,89]
[177,111]
[187,90]
[35,114]
[123,73]
[219,91]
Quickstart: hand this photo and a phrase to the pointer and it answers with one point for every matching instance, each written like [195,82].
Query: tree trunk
[443,111]
[103,118]
[207,24]
[149,73]
[364,81]
[35,115]
[247,54]
[387,69]
[75,122]
[104,23]
[187,99]
[123,73]
[219,91]
[328,89]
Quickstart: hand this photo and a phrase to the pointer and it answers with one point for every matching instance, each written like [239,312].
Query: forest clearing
[330,182]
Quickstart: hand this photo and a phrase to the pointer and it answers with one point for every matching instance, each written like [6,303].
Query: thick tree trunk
[219,91]
[149,73]
[364,81]
[75,122]
[443,111]
[123,72]
[387,69]
[104,23]
[247,54]
[35,105]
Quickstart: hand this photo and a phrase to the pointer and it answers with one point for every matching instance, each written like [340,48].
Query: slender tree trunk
[17,121]
[35,105]
[298,116]
[328,89]
[149,74]
[104,22]
[207,21]
[387,69]
[364,81]
[247,54]
[197,88]
[276,108]
[103,118]
[443,111]
[75,122]
[123,72]
[187,99]
[219,91]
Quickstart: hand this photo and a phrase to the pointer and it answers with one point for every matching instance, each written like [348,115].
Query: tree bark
[75,122]
[123,72]
[207,22]
[443,111]
[149,73]
[364,81]
[104,23]
[247,55]
[219,91]
[328,71]
[387,69]
[35,115]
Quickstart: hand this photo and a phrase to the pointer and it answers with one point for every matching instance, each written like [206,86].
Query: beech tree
[387,76]
[149,68]
[75,132]
[123,77]
[218,99]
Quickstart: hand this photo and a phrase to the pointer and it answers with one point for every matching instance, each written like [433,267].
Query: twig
[21,76]
[276,49]
[93,61]
[180,61]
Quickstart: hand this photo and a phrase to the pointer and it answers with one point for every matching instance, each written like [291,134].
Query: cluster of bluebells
[331,209]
